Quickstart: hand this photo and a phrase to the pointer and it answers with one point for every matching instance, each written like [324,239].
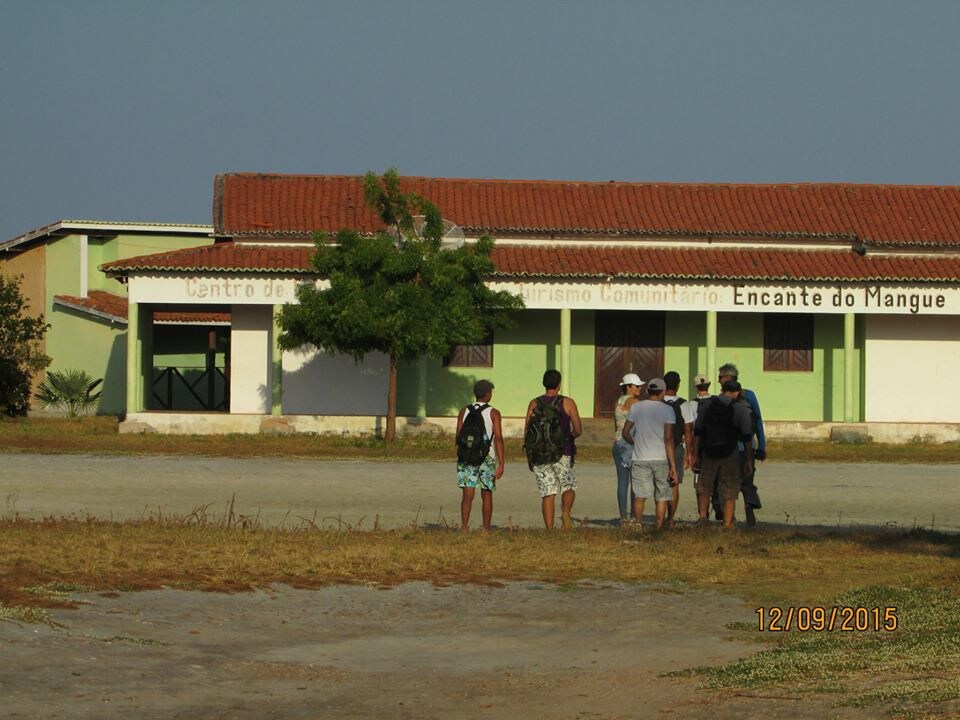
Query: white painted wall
[319,384]
[250,358]
[908,359]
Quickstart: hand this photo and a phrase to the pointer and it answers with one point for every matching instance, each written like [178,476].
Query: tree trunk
[391,433]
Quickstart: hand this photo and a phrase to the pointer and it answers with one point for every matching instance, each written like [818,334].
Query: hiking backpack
[720,433]
[544,439]
[679,424]
[473,444]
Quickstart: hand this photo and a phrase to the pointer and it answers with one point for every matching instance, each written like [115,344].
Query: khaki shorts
[723,473]
[651,478]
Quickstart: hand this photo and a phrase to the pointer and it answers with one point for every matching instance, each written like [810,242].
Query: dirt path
[415,651]
[275,491]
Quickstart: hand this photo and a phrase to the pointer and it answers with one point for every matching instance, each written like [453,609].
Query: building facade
[87,310]
[824,296]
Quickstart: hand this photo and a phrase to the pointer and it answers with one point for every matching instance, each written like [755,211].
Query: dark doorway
[626,341]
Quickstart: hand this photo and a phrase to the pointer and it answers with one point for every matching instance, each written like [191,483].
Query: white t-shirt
[648,418]
[688,410]
[487,424]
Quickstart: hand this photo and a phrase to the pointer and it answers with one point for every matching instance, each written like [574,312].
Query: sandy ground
[415,651]
[277,491]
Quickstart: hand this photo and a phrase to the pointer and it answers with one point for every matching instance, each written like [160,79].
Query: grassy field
[911,672]
[99,435]
[916,572]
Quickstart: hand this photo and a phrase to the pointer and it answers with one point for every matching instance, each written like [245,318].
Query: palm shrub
[70,391]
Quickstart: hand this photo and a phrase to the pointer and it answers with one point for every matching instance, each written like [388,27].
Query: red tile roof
[114,307]
[256,204]
[222,257]
[580,261]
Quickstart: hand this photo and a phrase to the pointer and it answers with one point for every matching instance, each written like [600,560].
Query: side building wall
[904,355]
[78,340]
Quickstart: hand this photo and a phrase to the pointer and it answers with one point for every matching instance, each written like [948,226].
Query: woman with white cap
[630,389]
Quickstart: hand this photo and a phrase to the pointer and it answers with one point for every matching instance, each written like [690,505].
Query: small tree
[70,391]
[397,292]
[20,355]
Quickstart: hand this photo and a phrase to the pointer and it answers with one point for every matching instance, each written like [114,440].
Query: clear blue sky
[126,109]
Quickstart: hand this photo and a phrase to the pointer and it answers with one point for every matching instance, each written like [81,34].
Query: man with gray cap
[480,454]
[653,471]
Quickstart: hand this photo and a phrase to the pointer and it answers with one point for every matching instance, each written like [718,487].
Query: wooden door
[626,341]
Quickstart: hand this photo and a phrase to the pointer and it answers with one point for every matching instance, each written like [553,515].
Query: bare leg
[548,505]
[662,509]
[566,506]
[486,498]
[466,504]
[703,508]
[674,502]
[638,503]
[728,507]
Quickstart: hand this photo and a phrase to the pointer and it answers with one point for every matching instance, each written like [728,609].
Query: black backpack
[473,445]
[719,431]
[679,424]
[544,439]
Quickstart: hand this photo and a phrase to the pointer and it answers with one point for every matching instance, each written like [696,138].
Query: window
[471,355]
[788,342]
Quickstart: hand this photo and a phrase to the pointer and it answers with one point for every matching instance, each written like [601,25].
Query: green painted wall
[80,341]
[684,347]
[520,357]
[521,354]
[805,396]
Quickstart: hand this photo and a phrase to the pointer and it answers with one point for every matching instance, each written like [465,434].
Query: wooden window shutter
[787,342]
[471,355]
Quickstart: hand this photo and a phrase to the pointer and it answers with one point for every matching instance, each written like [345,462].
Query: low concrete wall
[595,431]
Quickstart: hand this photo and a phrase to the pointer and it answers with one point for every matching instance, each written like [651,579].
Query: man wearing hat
[489,438]
[702,385]
[653,471]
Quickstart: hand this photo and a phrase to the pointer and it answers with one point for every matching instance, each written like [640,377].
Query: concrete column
[146,356]
[565,321]
[422,368]
[849,337]
[711,371]
[276,365]
[134,396]
[84,265]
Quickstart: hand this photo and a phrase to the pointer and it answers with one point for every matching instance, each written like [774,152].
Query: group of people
[659,436]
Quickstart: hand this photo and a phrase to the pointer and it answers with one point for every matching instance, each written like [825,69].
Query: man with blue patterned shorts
[490,469]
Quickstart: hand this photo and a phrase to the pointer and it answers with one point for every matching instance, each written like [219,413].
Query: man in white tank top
[490,468]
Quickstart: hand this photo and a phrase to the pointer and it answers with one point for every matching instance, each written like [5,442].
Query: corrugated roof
[580,261]
[113,226]
[263,204]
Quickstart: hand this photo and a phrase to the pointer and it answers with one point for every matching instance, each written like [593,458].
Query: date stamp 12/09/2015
[827,619]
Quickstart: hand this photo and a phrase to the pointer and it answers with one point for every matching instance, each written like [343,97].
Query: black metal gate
[208,388]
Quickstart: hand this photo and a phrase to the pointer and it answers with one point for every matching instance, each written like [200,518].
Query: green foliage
[397,292]
[20,355]
[918,662]
[70,391]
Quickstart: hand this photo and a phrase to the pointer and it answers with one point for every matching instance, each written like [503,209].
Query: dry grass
[786,566]
[99,435]
[43,562]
